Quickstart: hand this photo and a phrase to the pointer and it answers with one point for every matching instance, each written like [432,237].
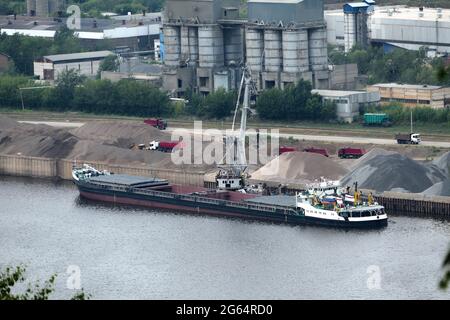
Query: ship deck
[124,180]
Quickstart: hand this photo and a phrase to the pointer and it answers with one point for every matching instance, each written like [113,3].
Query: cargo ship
[322,204]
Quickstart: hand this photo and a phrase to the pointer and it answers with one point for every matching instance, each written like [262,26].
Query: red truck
[157,123]
[317,150]
[284,149]
[164,146]
[351,153]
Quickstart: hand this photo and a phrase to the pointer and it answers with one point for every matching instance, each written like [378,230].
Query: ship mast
[232,177]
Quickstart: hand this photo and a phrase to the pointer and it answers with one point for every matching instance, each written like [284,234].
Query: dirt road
[305,137]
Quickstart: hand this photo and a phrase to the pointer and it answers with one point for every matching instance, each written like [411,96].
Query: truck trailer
[163,146]
[157,123]
[377,119]
[351,153]
[408,138]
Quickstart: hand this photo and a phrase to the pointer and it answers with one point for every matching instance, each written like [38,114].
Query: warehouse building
[137,33]
[391,26]
[203,44]
[348,103]
[412,95]
[86,63]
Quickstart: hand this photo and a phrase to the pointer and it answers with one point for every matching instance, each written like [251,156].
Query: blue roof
[356,7]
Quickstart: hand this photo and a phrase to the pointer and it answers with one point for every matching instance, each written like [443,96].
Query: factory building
[348,103]
[391,26]
[436,97]
[286,41]
[137,33]
[356,18]
[202,45]
[86,63]
[205,43]
[45,8]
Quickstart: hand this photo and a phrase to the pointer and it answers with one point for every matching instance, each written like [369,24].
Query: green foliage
[110,63]
[400,114]
[73,92]
[294,103]
[217,105]
[9,90]
[120,6]
[10,276]
[24,50]
[403,66]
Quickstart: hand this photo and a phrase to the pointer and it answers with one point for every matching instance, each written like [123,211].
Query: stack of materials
[298,168]
[390,171]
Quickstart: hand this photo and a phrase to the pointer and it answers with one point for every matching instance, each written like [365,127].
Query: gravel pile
[299,167]
[443,163]
[386,171]
[439,189]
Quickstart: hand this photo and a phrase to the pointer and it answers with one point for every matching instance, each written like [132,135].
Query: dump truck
[163,146]
[157,123]
[408,138]
[284,149]
[377,119]
[351,153]
[317,150]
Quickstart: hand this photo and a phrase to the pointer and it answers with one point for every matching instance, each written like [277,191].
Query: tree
[294,103]
[218,104]
[110,63]
[64,92]
[12,276]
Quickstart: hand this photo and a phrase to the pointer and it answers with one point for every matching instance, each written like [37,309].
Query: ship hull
[171,204]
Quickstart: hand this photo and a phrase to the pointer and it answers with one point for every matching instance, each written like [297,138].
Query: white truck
[408,138]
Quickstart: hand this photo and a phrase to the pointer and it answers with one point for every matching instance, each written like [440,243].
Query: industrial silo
[272,50]
[31,7]
[255,48]
[42,8]
[172,45]
[295,51]
[349,31]
[318,51]
[210,46]
[233,45]
[193,44]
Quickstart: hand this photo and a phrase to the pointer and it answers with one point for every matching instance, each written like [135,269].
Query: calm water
[134,253]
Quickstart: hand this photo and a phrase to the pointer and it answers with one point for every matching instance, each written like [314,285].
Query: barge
[317,206]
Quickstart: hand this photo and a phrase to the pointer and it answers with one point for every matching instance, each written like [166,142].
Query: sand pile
[386,171]
[34,140]
[119,133]
[299,167]
[7,123]
[87,150]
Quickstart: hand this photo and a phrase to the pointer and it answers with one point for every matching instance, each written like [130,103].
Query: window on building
[180,83]
[204,81]
[270,84]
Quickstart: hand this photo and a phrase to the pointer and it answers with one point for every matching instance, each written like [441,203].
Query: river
[134,253]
